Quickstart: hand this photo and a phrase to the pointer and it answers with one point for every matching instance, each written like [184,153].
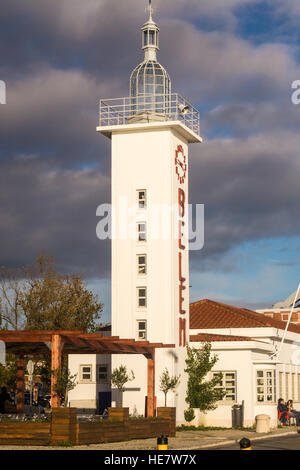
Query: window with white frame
[293,386]
[141,330]
[287,385]
[265,386]
[142,231]
[142,297]
[141,196]
[142,264]
[102,373]
[228,384]
[85,373]
[281,391]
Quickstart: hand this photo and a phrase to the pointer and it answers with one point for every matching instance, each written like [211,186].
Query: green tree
[58,301]
[38,297]
[119,377]
[65,382]
[168,383]
[202,393]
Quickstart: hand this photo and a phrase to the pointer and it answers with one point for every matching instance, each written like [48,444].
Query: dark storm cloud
[244,120]
[103,36]
[52,211]
[54,113]
[58,57]
[250,188]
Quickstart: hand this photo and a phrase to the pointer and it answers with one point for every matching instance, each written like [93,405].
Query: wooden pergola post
[55,366]
[20,384]
[150,384]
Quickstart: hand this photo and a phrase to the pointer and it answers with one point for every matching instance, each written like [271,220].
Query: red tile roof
[207,314]
[202,337]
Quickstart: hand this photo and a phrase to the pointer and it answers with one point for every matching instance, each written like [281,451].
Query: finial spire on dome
[150,8]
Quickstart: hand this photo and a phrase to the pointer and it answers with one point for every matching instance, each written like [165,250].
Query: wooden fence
[64,428]
[25,433]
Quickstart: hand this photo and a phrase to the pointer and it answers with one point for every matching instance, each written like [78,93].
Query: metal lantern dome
[150,87]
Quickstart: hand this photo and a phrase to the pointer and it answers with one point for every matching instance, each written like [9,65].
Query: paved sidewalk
[184,440]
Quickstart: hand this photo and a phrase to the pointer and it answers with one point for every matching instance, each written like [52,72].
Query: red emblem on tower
[180,164]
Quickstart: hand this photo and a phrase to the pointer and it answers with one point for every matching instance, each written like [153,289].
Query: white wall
[85,394]
[246,363]
[240,362]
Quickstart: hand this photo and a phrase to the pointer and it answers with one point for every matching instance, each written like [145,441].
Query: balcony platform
[130,114]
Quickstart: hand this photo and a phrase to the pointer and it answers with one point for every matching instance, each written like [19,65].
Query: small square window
[141,198]
[141,330]
[86,373]
[265,385]
[142,264]
[142,297]
[228,383]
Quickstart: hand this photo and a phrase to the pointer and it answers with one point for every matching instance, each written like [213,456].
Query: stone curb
[232,441]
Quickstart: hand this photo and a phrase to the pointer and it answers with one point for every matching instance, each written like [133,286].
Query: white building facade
[255,376]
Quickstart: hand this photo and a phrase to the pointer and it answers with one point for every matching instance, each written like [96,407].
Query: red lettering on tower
[181,286]
[182,279]
[181,225]
[182,332]
[181,202]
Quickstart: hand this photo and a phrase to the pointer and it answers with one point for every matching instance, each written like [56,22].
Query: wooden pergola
[57,343]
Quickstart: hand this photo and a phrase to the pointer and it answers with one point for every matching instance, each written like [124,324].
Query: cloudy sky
[234,59]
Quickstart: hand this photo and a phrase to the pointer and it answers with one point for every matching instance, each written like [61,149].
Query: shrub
[189,415]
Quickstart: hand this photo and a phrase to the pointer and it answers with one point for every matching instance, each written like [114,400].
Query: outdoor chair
[284,418]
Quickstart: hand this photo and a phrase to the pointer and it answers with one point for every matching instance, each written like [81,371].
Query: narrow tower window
[142,198]
[142,264]
[142,297]
[142,231]
[141,330]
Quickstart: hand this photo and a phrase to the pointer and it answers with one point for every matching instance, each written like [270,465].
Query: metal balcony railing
[148,108]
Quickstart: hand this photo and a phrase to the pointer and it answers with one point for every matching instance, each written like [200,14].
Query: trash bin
[238,415]
[262,423]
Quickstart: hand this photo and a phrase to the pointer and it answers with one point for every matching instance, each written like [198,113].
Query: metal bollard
[245,444]
[162,443]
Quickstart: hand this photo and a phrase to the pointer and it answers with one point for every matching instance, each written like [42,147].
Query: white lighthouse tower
[150,131]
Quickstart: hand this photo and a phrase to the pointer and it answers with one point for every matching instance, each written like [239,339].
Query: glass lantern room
[150,87]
